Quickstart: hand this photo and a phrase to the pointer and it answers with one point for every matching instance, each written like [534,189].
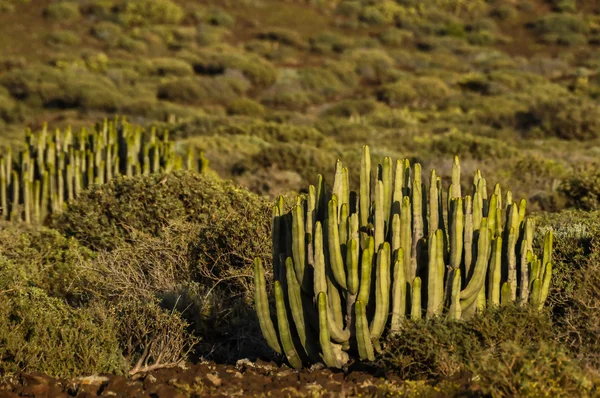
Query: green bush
[576,277]
[438,348]
[199,90]
[46,260]
[149,12]
[172,67]
[567,29]
[539,370]
[70,88]
[259,71]
[323,82]
[276,133]
[288,95]
[106,215]
[568,117]
[109,32]
[305,160]
[62,11]
[245,106]
[43,334]
[149,334]
[63,37]
[416,92]
[330,42]
[582,189]
[284,36]
[348,108]
[373,65]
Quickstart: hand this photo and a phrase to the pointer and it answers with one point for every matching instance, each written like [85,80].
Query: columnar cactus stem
[415,298]
[284,329]
[382,291]
[417,218]
[261,303]
[468,266]
[334,248]
[363,337]
[365,191]
[398,292]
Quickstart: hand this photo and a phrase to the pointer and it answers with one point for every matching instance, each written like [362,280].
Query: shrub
[54,88]
[419,91]
[395,37]
[44,259]
[372,65]
[330,42]
[284,36]
[463,144]
[172,67]
[322,81]
[198,90]
[106,215]
[542,369]
[582,189]
[63,11]
[169,272]
[63,37]
[576,278]
[259,71]
[109,32]
[348,108]
[43,334]
[567,117]
[438,348]
[565,29]
[287,95]
[149,12]
[245,106]
[151,336]
[276,133]
[305,160]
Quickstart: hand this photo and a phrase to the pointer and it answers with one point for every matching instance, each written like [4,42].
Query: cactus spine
[355,267]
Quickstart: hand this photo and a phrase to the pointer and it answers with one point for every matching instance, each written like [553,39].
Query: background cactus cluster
[349,264]
[54,168]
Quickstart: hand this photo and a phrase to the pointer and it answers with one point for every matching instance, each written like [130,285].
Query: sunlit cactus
[53,168]
[351,266]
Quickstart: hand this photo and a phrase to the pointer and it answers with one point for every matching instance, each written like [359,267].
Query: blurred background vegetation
[273,92]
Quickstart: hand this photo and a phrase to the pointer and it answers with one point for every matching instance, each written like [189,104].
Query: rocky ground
[247,379]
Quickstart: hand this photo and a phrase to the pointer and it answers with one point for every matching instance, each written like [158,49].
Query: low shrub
[438,348]
[418,92]
[305,160]
[172,67]
[582,189]
[106,215]
[567,117]
[39,333]
[215,61]
[567,29]
[109,32]
[149,12]
[283,36]
[348,108]
[245,106]
[63,11]
[63,38]
[199,90]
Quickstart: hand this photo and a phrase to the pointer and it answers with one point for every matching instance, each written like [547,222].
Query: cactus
[63,164]
[353,263]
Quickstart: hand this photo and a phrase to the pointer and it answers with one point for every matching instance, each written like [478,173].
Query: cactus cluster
[350,265]
[54,167]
